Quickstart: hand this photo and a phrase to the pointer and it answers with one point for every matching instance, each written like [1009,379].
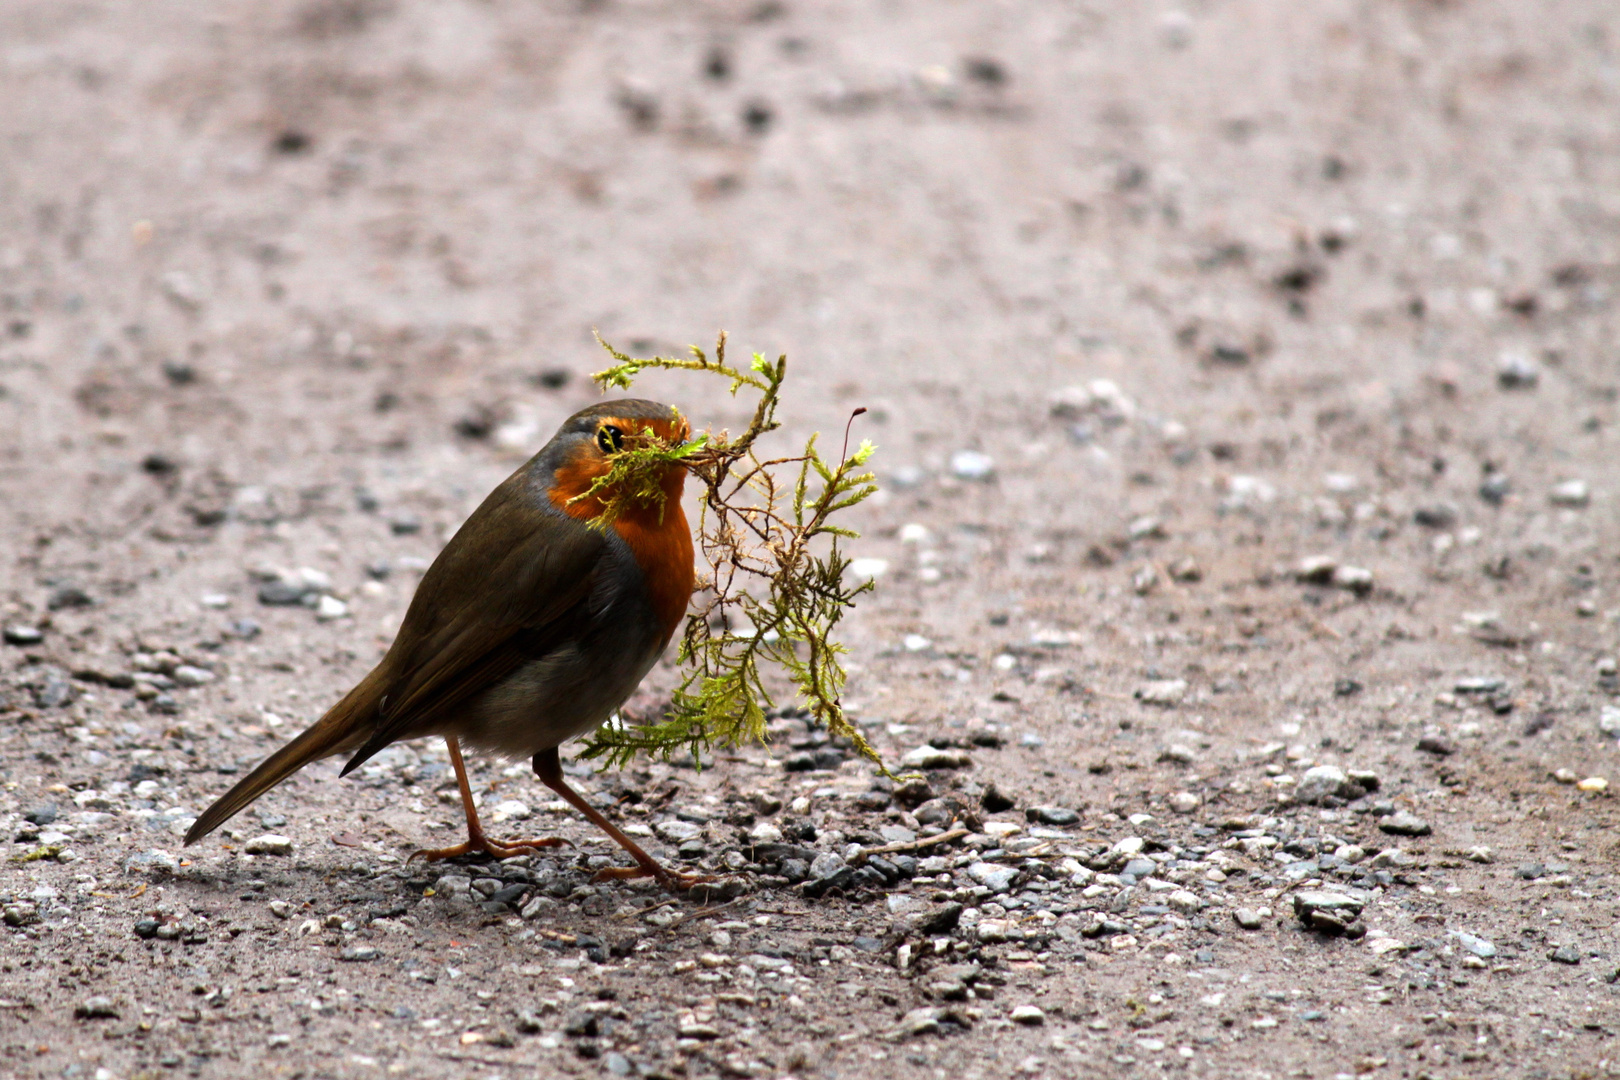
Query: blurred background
[295,284]
[1244,377]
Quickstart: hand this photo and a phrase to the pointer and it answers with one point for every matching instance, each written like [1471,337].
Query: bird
[535,623]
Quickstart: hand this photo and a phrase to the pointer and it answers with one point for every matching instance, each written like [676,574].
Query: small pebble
[269,844]
[1059,816]
[1184,802]
[934,757]
[1572,494]
[1163,692]
[1405,824]
[972,465]
[1565,954]
[188,675]
[1029,1015]
[993,876]
[1516,371]
[1593,784]
[23,635]
[96,1008]
[1247,918]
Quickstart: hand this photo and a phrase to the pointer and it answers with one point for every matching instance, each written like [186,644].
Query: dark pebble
[913,793]
[96,1008]
[1436,744]
[405,525]
[146,929]
[890,872]
[1565,954]
[1438,516]
[554,378]
[869,877]
[1495,488]
[1138,868]
[509,894]
[1052,815]
[282,593]
[993,801]
[814,761]
[246,629]
[68,596]
[43,814]
[1404,824]
[868,944]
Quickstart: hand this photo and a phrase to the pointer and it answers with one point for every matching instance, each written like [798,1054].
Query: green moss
[776,574]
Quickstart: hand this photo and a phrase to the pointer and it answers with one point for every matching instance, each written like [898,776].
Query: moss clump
[776,576]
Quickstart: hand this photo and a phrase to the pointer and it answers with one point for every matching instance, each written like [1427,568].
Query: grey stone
[1247,918]
[972,465]
[1342,905]
[1565,954]
[1138,868]
[933,757]
[43,814]
[1320,783]
[924,1021]
[1572,494]
[1356,579]
[992,876]
[1516,371]
[188,675]
[281,593]
[1476,945]
[1028,1015]
[96,1008]
[23,635]
[357,954]
[1052,815]
[67,595]
[1402,823]
[269,844]
[1165,693]
[676,832]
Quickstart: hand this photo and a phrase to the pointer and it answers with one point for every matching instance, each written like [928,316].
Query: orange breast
[663,549]
[658,536]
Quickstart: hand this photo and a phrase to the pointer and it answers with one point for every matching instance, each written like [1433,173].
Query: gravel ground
[1244,377]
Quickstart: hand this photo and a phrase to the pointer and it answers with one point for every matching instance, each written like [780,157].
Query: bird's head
[619,458]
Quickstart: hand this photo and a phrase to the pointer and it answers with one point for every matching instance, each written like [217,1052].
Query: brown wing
[510,586]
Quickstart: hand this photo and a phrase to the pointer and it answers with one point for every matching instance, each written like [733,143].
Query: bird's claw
[494,848]
[675,881]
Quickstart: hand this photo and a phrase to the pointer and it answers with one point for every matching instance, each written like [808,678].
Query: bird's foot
[675,881]
[497,849]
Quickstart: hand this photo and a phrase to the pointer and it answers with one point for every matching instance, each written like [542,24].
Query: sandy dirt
[1285,335]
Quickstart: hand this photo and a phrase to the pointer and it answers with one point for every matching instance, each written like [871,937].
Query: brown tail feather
[345,726]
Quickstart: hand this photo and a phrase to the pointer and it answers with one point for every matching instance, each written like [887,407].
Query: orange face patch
[658,535]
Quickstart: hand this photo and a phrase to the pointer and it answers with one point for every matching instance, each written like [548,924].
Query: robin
[531,627]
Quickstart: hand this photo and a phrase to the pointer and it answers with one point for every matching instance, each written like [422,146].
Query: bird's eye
[610,439]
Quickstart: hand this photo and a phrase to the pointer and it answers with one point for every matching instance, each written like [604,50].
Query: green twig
[776,572]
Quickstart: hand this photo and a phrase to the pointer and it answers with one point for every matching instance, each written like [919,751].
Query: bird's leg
[476,840]
[548,767]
